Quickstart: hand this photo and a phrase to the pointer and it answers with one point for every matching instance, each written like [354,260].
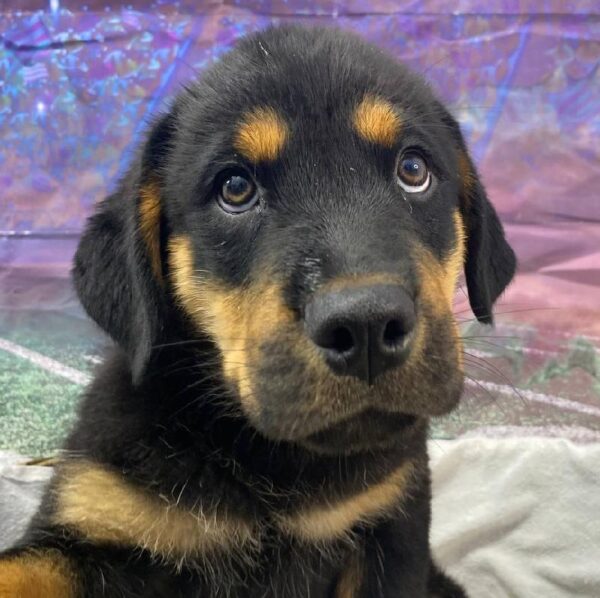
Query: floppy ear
[118,266]
[490,262]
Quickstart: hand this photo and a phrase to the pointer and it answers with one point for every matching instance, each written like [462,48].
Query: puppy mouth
[367,430]
[291,396]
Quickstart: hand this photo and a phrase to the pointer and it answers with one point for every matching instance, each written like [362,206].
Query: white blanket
[518,517]
[512,517]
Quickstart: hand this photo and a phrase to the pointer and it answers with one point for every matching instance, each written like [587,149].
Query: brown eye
[413,174]
[238,193]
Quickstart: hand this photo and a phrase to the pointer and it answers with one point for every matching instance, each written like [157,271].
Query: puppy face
[308,207]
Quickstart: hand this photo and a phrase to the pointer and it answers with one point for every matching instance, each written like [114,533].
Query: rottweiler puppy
[277,269]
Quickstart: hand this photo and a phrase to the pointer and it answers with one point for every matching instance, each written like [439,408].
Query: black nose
[362,331]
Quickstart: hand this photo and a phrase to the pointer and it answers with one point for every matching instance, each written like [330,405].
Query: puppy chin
[369,431]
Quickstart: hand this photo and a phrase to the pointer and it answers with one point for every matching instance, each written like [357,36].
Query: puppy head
[306,208]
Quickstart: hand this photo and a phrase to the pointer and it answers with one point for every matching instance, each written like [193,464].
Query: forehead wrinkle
[261,135]
[376,120]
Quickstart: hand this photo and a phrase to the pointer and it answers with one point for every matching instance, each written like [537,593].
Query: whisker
[492,369]
[512,311]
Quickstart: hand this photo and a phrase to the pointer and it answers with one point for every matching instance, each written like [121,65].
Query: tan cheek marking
[149,212]
[104,507]
[261,136]
[237,319]
[43,574]
[433,287]
[351,578]
[454,263]
[439,279]
[323,523]
[377,121]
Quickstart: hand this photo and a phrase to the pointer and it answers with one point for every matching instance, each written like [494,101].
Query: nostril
[361,331]
[339,339]
[393,334]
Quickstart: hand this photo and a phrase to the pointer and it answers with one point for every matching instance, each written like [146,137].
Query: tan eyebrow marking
[261,135]
[377,121]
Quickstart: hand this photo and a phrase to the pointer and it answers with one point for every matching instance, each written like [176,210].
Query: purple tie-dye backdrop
[79,80]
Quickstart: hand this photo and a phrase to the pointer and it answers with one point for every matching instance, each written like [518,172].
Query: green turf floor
[37,406]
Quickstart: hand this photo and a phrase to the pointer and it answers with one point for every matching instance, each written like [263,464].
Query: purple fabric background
[79,80]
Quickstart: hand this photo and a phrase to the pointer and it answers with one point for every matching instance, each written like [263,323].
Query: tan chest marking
[335,520]
[104,507]
[37,574]
[377,121]
[261,135]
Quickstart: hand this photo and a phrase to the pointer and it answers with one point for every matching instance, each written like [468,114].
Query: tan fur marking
[351,578]
[149,209]
[237,319]
[104,507]
[432,285]
[36,575]
[377,121]
[261,135]
[439,279]
[454,263]
[467,178]
[327,522]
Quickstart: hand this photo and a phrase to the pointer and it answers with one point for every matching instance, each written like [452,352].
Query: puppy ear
[490,262]
[118,266]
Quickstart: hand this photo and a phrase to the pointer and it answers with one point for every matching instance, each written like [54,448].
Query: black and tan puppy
[277,269]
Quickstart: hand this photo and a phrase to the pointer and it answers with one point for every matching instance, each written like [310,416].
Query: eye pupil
[412,167]
[238,192]
[413,174]
[236,188]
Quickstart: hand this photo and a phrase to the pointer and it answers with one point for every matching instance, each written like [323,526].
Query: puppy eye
[238,192]
[413,173]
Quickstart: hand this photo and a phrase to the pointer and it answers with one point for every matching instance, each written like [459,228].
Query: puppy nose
[362,331]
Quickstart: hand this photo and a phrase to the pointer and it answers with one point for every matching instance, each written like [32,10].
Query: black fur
[161,412]
[491,262]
